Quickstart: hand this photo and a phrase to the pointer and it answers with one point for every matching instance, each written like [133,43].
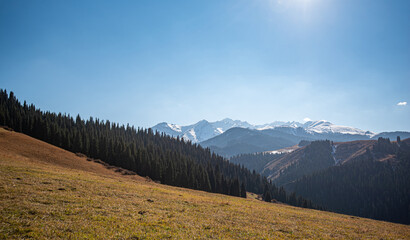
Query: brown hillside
[275,167]
[20,146]
[345,152]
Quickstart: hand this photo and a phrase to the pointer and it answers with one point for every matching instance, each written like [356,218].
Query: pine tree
[243,190]
[268,197]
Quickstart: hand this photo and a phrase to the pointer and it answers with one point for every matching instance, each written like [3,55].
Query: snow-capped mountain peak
[174,127]
[204,130]
[228,123]
[200,131]
[323,126]
[275,124]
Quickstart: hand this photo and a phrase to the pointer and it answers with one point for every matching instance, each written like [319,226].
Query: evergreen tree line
[280,195]
[365,187]
[160,157]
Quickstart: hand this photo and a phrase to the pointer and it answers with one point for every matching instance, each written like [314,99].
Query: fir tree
[243,190]
[268,197]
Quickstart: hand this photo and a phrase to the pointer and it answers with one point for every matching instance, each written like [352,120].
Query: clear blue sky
[144,62]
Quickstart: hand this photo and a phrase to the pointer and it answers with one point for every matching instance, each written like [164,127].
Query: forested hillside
[316,156]
[162,158]
[375,184]
[303,161]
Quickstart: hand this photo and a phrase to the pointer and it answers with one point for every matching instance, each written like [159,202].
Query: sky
[145,62]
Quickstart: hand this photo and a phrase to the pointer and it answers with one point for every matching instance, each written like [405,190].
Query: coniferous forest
[169,160]
[374,185]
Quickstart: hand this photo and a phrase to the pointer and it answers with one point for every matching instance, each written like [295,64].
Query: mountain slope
[254,161]
[49,193]
[392,135]
[240,140]
[200,131]
[323,126]
[302,161]
[317,156]
[25,149]
[373,184]
[162,158]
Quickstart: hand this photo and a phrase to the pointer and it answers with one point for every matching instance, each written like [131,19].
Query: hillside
[313,158]
[361,178]
[241,140]
[160,157]
[50,193]
[254,161]
[303,161]
[375,184]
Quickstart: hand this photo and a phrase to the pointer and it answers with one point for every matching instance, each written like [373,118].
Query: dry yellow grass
[42,196]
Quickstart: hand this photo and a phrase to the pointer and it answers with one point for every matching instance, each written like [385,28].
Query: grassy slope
[46,192]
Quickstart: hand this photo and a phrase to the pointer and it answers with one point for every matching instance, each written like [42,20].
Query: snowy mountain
[323,126]
[200,131]
[204,130]
[276,124]
[231,137]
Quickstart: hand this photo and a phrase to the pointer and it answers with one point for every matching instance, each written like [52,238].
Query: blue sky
[144,62]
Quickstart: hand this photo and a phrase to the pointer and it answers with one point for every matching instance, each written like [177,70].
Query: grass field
[49,193]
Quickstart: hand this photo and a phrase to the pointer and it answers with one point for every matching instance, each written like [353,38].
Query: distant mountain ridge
[204,130]
[231,137]
[200,131]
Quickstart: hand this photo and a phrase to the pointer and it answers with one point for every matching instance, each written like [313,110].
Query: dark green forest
[366,186]
[169,160]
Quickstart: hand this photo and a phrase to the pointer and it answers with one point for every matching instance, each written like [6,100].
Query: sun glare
[304,4]
[299,10]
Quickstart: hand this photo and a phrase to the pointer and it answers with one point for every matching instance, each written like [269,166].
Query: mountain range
[204,130]
[232,137]
[200,131]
